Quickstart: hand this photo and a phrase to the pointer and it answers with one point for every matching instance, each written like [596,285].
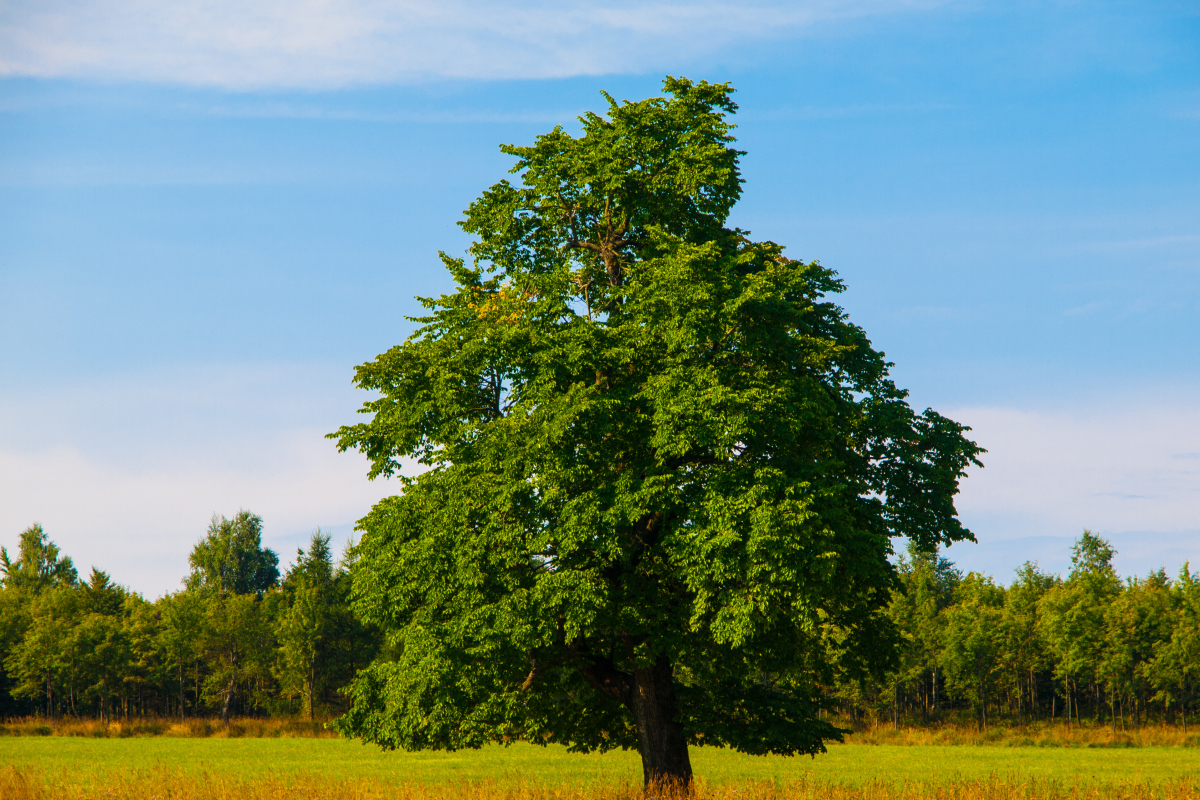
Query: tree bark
[312,681]
[229,691]
[661,739]
[225,705]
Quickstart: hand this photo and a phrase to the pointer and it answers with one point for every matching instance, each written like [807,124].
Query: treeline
[1088,647]
[238,639]
[242,639]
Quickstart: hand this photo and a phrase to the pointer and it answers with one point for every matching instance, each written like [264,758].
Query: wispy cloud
[140,524]
[328,43]
[1114,467]
[1125,466]
[284,110]
[1144,244]
[125,472]
[805,113]
[1087,308]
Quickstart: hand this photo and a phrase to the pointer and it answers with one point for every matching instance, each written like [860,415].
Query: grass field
[234,768]
[254,759]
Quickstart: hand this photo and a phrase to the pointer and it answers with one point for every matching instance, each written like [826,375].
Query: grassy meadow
[39,767]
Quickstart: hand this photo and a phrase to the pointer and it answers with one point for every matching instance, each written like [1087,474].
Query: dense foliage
[664,468]
[1089,646]
[235,640]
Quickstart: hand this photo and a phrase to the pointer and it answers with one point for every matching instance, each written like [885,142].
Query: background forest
[242,639]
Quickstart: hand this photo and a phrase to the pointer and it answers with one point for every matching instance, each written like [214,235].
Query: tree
[237,640]
[38,565]
[1024,647]
[664,469]
[179,638]
[974,638]
[100,595]
[231,558]
[42,663]
[105,653]
[1175,669]
[1136,620]
[308,626]
[149,673]
[231,570]
[1073,615]
[928,582]
[15,619]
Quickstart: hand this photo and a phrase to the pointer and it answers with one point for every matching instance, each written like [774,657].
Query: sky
[212,211]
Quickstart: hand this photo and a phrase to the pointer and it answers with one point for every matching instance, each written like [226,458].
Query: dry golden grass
[246,727]
[1035,734]
[161,784]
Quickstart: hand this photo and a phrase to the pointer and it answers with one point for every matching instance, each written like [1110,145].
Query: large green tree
[664,469]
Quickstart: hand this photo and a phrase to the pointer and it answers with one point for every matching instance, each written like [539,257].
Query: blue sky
[210,212]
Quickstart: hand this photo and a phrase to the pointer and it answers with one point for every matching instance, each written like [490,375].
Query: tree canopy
[38,563]
[231,558]
[664,469]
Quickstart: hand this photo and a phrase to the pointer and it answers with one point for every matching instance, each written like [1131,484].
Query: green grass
[89,761]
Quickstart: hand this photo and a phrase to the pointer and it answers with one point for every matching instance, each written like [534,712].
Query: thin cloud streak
[139,525]
[295,111]
[1113,469]
[323,44]
[1122,470]
[1142,244]
[125,472]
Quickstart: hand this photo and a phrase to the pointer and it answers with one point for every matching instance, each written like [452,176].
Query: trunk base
[666,767]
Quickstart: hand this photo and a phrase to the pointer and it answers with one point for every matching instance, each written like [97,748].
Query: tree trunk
[1033,696]
[312,683]
[661,739]
[225,705]
[229,691]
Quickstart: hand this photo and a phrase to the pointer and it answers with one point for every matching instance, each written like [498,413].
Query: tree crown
[38,563]
[655,446]
[231,558]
